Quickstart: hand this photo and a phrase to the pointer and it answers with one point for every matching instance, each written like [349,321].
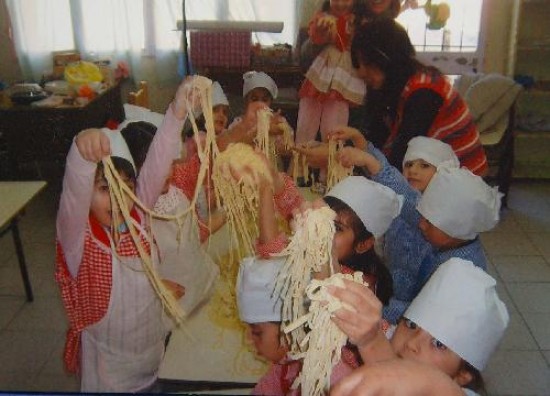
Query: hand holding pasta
[345,133]
[363,324]
[188,95]
[93,145]
[325,340]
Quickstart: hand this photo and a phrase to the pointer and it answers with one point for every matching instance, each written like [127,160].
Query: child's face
[378,6]
[437,237]
[418,173]
[371,75]
[221,117]
[340,7]
[101,199]
[258,94]
[344,238]
[412,342]
[266,339]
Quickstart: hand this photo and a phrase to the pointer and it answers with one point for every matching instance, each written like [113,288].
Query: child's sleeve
[289,198]
[74,207]
[390,176]
[164,149]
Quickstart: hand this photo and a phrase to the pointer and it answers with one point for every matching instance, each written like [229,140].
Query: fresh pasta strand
[335,170]
[325,340]
[168,301]
[309,249]
[236,175]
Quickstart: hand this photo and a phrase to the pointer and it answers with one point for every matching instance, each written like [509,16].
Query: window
[127,29]
[455,48]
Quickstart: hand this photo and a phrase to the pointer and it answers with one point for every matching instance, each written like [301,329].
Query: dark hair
[391,12]
[384,43]
[367,262]
[477,384]
[138,136]
[122,165]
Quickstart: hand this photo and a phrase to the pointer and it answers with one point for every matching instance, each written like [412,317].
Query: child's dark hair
[138,136]
[367,262]
[122,165]
[477,384]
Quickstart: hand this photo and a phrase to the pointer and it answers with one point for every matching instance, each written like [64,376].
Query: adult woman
[407,99]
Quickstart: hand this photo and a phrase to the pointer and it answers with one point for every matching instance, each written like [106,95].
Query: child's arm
[363,326]
[397,377]
[322,28]
[346,133]
[88,148]
[271,239]
[165,146]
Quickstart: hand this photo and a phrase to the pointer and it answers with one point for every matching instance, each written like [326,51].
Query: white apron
[123,351]
[184,261]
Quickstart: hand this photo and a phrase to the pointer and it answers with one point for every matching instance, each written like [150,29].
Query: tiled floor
[32,334]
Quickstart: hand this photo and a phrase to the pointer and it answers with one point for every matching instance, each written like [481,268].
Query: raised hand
[93,145]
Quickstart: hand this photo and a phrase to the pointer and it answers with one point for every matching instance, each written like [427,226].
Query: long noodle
[335,170]
[236,175]
[325,340]
[308,251]
[118,189]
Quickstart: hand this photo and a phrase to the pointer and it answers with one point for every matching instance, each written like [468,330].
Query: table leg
[21,259]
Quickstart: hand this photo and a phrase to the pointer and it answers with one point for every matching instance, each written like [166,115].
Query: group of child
[429,309]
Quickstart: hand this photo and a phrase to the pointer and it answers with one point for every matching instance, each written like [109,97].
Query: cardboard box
[227,49]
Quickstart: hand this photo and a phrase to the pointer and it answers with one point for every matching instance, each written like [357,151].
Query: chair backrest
[141,96]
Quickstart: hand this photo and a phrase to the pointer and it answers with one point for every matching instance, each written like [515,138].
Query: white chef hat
[433,151]
[255,284]
[376,205]
[460,307]
[218,96]
[460,203]
[119,148]
[255,79]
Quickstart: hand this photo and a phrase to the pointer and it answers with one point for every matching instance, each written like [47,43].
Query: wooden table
[37,139]
[15,196]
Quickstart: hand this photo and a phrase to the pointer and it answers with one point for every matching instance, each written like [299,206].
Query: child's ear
[463,377]
[364,245]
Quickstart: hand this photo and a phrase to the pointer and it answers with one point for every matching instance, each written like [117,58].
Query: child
[116,335]
[443,222]
[220,113]
[454,324]
[331,83]
[185,267]
[259,90]
[352,246]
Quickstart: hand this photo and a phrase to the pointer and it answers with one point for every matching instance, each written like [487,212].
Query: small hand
[93,145]
[351,156]
[349,133]
[177,290]
[363,325]
[317,155]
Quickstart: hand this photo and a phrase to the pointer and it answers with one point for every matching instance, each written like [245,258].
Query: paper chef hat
[255,284]
[376,205]
[460,203]
[433,151]
[460,307]
[218,96]
[254,79]
[119,148]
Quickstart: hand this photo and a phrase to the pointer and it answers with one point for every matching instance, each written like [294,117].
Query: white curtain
[129,30]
